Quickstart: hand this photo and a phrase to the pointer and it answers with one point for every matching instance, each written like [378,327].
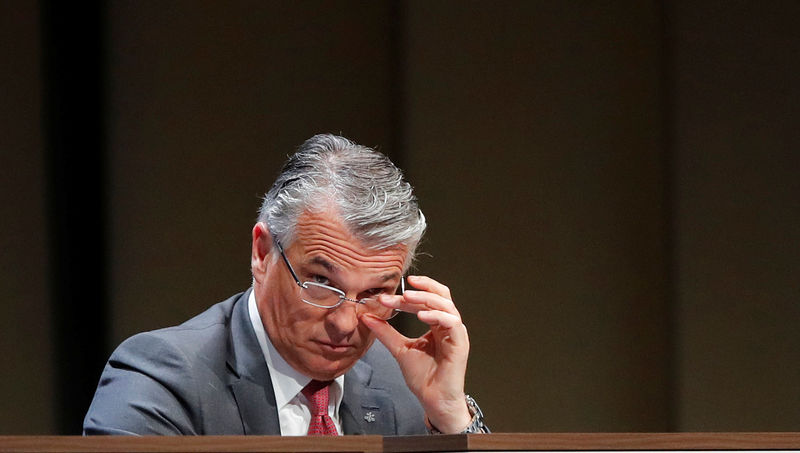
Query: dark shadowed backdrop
[612,189]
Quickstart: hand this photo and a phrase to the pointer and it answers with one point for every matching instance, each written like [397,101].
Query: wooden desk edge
[406,444]
[594,442]
[190,444]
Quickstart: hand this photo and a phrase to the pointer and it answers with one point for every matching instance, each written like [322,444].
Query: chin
[325,370]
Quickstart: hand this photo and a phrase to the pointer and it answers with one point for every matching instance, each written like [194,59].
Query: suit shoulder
[166,380]
[205,332]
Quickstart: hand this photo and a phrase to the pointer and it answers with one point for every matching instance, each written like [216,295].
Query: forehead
[322,234]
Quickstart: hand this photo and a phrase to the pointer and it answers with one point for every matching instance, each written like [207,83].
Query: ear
[262,246]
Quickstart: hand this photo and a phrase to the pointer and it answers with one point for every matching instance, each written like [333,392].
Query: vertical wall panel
[534,139]
[736,108]
[26,385]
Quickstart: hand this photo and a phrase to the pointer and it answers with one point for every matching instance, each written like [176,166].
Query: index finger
[385,333]
[428,284]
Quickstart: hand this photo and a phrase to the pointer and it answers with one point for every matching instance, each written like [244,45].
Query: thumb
[394,341]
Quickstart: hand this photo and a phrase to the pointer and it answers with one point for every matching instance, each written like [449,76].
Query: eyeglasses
[328,297]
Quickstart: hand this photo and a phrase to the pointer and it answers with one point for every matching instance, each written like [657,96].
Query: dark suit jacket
[208,376]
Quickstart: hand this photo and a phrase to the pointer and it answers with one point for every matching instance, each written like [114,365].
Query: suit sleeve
[145,389]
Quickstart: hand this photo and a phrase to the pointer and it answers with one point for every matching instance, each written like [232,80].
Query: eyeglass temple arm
[286,260]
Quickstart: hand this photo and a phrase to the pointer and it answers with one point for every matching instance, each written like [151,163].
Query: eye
[374,292]
[321,279]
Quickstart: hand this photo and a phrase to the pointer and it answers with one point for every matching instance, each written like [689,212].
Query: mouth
[335,348]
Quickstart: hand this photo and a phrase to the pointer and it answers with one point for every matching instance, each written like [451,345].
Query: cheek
[365,333]
[287,306]
[298,318]
[364,338]
[290,320]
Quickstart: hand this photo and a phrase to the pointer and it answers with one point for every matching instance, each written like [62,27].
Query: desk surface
[401,444]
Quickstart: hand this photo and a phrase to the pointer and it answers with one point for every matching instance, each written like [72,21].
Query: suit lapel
[256,408]
[249,381]
[365,409]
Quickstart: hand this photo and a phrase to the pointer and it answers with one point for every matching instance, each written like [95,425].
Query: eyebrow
[332,268]
[325,263]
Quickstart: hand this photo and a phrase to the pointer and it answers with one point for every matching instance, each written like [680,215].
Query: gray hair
[362,185]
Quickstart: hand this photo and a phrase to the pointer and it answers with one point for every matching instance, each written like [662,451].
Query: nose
[343,319]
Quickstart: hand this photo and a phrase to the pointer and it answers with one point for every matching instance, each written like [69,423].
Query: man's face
[321,343]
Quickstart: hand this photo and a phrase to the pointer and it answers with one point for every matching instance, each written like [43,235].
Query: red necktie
[316,392]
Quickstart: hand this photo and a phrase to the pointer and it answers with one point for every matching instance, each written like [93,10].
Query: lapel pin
[369,417]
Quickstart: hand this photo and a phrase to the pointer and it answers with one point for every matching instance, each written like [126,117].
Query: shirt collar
[286,381]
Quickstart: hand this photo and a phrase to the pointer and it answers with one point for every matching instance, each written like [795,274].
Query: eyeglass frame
[342,296]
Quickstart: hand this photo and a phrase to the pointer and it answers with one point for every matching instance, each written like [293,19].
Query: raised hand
[435,364]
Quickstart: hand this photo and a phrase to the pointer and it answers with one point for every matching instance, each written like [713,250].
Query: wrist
[475,422]
[453,423]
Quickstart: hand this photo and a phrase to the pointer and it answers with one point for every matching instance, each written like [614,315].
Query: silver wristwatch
[476,425]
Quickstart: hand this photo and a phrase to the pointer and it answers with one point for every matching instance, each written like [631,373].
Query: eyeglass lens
[320,295]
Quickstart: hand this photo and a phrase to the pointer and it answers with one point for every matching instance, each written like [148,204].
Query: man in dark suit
[297,353]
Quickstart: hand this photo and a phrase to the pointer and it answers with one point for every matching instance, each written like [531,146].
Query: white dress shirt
[293,412]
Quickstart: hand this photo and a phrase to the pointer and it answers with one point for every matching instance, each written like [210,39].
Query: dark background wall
[611,189]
